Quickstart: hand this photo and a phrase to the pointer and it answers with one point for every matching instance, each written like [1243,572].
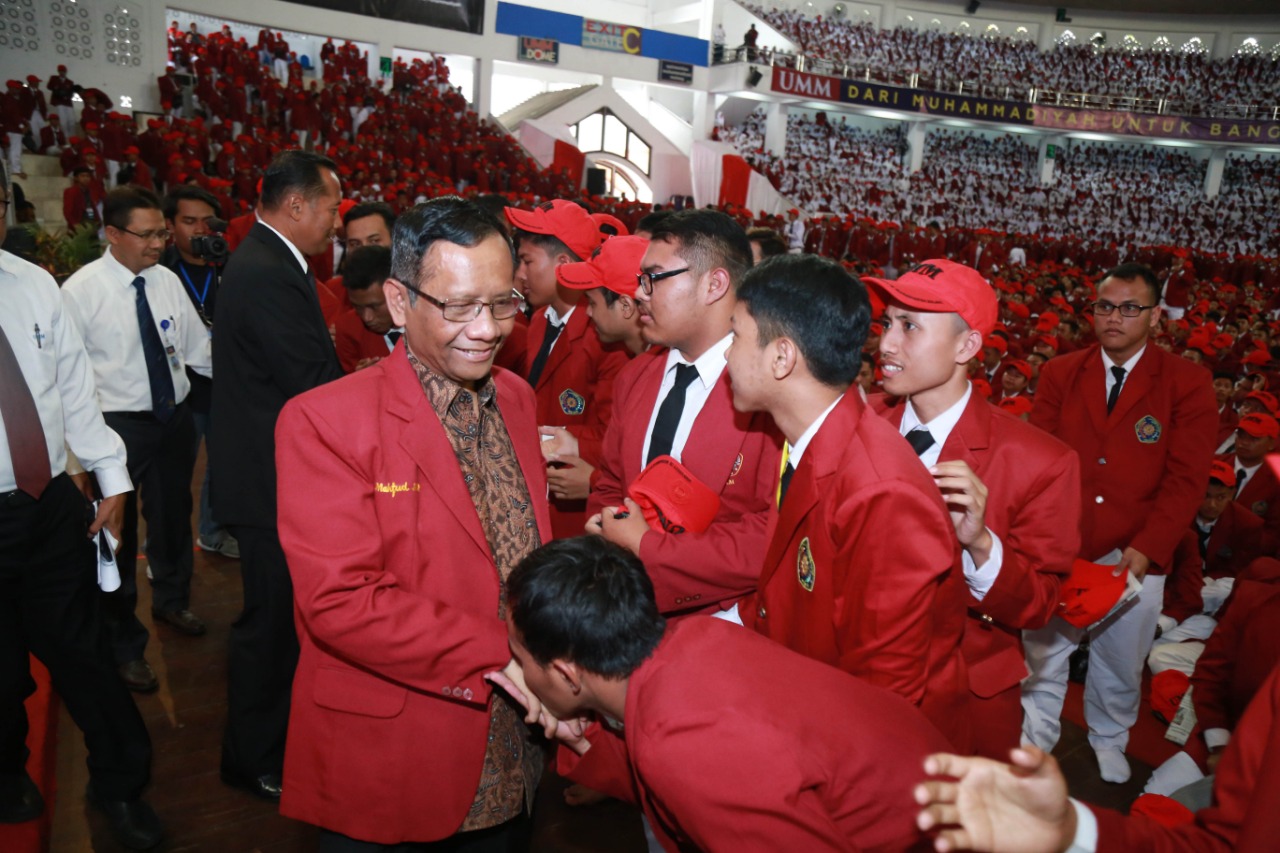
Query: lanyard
[204,293]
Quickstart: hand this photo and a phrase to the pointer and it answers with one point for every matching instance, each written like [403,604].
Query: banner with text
[860,93]
[602,35]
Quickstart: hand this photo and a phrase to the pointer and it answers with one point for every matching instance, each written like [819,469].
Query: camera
[212,247]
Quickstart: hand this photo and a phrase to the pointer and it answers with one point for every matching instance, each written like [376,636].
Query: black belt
[18,497]
[143,416]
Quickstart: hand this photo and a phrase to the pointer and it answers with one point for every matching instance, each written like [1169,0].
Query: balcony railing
[1048,97]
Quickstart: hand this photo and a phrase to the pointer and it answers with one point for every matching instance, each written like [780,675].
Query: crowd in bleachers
[1191,82]
[1103,193]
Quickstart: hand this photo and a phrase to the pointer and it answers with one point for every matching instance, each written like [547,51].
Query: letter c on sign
[631,40]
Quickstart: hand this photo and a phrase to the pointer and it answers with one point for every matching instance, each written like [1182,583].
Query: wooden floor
[185,718]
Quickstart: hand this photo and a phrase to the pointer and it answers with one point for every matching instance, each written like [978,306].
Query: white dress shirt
[710,365]
[102,301]
[1128,369]
[554,319]
[297,253]
[53,361]
[1242,480]
[796,451]
[979,578]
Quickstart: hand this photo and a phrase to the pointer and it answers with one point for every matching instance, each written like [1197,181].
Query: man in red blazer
[1144,423]
[675,400]
[365,334]
[1025,809]
[730,741]
[1257,487]
[862,570]
[1013,490]
[407,494]
[571,371]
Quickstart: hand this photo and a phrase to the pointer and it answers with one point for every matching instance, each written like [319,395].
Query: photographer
[196,257]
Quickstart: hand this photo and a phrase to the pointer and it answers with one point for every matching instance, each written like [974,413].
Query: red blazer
[1261,496]
[735,743]
[1243,817]
[1033,504]
[575,390]
[737,455]
[75,200]
[1144,467]
[396,596]
[1240,653]
[863,569]
[238,229]
[1227,421]
[354,342]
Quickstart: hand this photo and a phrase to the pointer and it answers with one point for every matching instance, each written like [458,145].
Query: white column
[1213,174]
[484,86]
[775,129]
[1045,163]
[916,132]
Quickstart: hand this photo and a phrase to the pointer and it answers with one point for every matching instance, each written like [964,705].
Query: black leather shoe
[20,800]
[139,677]
[133,823]
[267,786]
[184,620]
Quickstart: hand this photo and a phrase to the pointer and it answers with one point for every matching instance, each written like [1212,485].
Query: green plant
[64,252]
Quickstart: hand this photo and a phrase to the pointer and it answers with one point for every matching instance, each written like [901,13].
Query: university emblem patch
[571,402]
[1148,430]
[1260,508]
[806,571]
[737,466]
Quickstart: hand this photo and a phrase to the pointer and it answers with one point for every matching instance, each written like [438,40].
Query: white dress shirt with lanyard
[710,365]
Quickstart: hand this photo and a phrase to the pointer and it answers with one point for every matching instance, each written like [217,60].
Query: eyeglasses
[161,234]
[465,312]
[646,280]
[4,206]
[1104,308]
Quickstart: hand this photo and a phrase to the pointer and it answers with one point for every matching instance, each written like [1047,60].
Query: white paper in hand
[108,571]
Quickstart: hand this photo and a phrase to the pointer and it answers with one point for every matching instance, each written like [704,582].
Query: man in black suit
[273,344]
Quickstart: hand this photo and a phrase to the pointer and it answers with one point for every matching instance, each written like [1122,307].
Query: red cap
[1050,341]
[982,387]
[614,265]
[566,221]
[1019,365]
[1259,425]
[1047,322]
[31,78]
[1016,406]
[1257,356]
[996,342]
[1089,593]
[1165,811]
[672,499]
[62,69]
[1223,473]
[132,149]
[345,205]
[1167,689]
[1266,398]
[944,286]
[608,220]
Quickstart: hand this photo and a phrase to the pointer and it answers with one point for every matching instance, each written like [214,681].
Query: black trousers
[263,655]
[51,607]
[162,457]
[510,837]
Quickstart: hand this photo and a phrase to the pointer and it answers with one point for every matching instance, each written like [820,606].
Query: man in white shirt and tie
[142,332]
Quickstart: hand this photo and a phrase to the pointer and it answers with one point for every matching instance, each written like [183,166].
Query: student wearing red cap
[61,91]
[1016,379]
[1143,422]
[862,570]
[608,280]
[1014,491]
[1257,488]
[571,370]
[674,400]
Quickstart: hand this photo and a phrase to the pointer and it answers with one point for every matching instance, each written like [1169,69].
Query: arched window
[604,131]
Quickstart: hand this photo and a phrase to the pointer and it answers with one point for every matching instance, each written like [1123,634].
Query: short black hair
[587,601]
[707,239]
[867,358]
[367,266]
[650,221]
[188,192]
[448,218]
[1132,271]
[1225,374]
[770,241]
[294,170]
[816,303]
[550,243]
[121,202]
[371,208]
[81,170]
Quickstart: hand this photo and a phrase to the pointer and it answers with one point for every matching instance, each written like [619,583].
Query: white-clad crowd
[1192,83]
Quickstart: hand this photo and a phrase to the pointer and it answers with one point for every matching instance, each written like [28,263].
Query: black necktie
[785,481]
[162,393]
[28,453]
[1203,536]
[1118,373]
[540,360]
[1240,475]
[664,428]
[394,337]
[920,440]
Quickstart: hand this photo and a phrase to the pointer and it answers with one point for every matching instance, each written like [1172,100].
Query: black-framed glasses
[1103,308]
[646,280]
[464,312]
[4,206]
[162,234]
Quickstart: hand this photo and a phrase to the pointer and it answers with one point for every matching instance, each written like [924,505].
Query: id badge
[174,361]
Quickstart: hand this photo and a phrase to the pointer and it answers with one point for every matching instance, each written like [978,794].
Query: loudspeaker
[1062,17]
[972,8]
[754,77]
[596,181]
